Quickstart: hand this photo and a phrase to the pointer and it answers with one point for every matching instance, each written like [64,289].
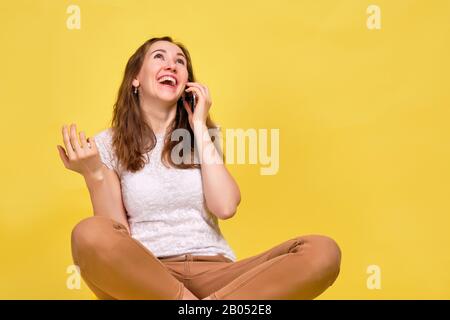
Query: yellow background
[363,118]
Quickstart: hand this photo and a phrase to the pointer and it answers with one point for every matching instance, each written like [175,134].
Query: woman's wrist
[199,126]
[96,176]
[201,133]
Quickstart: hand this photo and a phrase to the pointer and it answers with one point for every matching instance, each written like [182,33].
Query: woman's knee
[90,232]
[324,255]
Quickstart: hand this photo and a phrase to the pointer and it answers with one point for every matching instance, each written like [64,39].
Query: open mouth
[170,86]
[168,82]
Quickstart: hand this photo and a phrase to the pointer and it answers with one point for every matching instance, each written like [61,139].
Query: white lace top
[166,206]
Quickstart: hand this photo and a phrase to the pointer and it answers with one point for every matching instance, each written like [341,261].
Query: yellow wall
[363,117]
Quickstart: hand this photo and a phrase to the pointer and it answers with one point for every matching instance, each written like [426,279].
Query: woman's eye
[160,55]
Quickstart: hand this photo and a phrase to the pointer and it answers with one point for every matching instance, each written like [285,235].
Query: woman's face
[163,58]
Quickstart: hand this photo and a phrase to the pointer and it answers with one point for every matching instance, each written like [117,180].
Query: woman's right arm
[103,183]
[106,196]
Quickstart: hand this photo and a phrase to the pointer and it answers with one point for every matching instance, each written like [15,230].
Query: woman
[155,233]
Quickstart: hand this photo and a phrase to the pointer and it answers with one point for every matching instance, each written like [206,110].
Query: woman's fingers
[63,156]
[74,138]
[203,89]
[72,143]
[92,145]
[83,140]
[80,155]
[197,85]
[67,143]
[196,91]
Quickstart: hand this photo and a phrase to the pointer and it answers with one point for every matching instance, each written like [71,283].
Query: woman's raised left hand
[202,106]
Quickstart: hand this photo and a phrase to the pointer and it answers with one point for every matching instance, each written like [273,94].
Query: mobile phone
[190,98]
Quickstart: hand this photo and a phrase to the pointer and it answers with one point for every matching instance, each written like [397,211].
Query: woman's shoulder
[104,137]
[104,133]
[103,140]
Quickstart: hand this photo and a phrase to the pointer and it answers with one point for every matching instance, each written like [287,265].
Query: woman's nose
[170,65]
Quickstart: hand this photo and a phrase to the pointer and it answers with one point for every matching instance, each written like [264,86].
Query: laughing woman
[155,233]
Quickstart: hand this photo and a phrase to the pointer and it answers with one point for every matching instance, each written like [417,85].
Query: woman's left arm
[221,192]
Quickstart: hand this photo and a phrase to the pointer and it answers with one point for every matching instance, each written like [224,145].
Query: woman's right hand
[84,158]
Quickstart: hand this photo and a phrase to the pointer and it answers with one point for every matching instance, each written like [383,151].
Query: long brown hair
[131,133]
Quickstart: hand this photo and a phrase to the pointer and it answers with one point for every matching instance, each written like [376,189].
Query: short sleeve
[103,140]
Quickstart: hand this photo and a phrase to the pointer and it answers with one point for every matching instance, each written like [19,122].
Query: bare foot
[188,295]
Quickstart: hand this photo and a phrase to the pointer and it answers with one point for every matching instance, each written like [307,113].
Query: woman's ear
[135,83]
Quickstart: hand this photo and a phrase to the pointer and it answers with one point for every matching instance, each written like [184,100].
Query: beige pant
[116,266]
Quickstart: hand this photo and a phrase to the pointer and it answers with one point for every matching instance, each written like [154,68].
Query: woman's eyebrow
[179,53]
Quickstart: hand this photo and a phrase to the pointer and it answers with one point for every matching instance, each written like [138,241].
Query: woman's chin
[168,98]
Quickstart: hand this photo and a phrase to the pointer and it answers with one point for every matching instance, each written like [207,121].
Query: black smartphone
[190,98]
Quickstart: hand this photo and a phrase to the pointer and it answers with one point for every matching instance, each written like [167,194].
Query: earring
[135,90]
